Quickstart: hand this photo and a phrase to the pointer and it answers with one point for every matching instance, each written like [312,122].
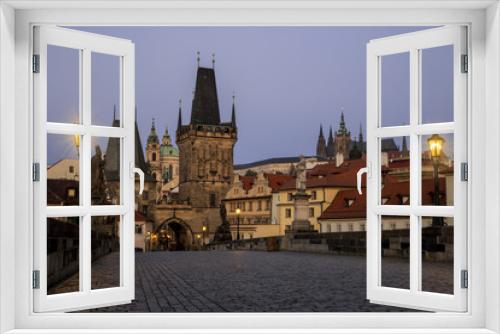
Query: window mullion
[415,242]
[85,178]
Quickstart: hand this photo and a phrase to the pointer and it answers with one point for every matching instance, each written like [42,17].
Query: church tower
[153,153]
[206,150]
[330,147]
[321,145]
[342,138]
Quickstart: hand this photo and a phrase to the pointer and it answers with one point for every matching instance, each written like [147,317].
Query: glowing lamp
[436,143]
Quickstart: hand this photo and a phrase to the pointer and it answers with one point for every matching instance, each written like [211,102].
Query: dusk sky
[287,81]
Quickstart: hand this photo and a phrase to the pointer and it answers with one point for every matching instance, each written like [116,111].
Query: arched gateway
[174,234]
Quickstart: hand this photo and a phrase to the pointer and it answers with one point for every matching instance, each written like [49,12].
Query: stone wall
[437,243]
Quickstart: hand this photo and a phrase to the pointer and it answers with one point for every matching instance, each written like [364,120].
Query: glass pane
[63,84]
[105,170]
[437,254]
[395,170]
[437,169]
[105,252]
[63,254]
[437,84]
[395,89]
[105,89]
[63,169]
[395,266]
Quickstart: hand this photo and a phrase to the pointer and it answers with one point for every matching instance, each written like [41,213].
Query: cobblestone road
[246,281]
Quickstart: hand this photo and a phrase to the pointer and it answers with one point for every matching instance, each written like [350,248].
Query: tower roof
[153,136]
[205,109]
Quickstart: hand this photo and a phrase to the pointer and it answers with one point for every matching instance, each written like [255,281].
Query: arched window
[153,156]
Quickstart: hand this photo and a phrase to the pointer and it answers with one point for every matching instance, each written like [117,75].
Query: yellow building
[251,201]
[322,184]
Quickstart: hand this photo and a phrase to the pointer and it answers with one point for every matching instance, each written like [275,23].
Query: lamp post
[204,229]
[238,212]
[436,143]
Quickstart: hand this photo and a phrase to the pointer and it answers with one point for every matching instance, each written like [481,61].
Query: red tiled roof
[247,182]
[338,208]
[275,181]
[331,168]
[397,193]
[347,179]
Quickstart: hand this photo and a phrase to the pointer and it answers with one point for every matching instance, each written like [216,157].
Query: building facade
[256,197]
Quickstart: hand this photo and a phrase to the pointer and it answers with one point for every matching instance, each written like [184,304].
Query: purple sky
[288,81]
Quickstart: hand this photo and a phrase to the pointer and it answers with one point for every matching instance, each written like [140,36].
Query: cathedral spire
[342,131]
[360,133]
[321,144]
[330,146]
[233,114]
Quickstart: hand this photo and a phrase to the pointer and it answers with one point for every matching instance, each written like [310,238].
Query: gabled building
[256,197]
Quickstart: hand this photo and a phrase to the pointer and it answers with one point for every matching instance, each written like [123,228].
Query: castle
[342,146]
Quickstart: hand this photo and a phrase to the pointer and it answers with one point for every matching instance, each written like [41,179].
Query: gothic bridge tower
[205,150]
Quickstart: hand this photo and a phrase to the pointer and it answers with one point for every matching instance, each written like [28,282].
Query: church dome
[169,151]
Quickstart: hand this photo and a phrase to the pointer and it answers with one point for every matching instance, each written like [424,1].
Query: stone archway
[173,235]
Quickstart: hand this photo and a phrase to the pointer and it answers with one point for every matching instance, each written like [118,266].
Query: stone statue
[223,232]
[300,182]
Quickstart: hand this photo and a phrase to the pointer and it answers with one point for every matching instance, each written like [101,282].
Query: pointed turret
[330,147]
[166,140]
[179,119]
[233,115]
[342,131]
[360,139]
[153,137]
[321,145]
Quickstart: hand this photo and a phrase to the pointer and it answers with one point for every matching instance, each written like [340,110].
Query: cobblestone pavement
[252,281]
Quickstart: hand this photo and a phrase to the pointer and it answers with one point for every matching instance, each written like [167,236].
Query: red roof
[347,178]
[339,207]
[275,181]
[349,204]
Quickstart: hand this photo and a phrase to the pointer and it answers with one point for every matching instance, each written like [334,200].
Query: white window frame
[412,44]
[85,44]
[16,18]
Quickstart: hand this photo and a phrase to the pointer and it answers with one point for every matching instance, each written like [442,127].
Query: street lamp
[238,212]
[204,229]
[436,143]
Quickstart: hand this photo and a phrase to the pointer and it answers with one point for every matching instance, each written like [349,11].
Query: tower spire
[153,137]
[198,58]
[360,139]
[213,60]
[233,113]
[321,144]
[179,119]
